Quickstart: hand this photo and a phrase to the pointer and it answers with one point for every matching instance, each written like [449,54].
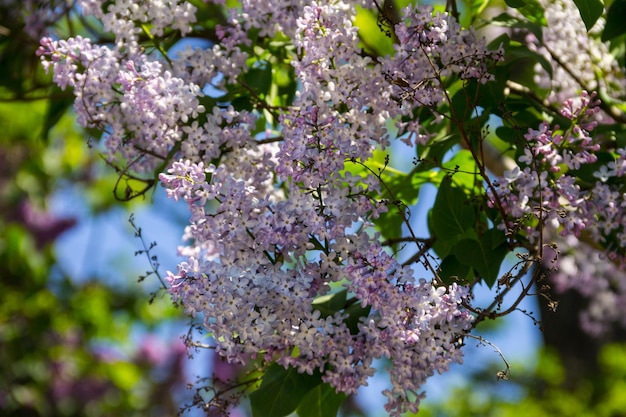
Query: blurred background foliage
[69,347]
[542,389]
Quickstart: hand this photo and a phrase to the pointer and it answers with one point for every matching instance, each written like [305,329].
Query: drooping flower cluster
[141,105]
[127,19]
[431,48]
[280,222]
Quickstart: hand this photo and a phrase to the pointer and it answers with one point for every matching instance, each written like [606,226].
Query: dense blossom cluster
[539,187]
[596,211]
[141,105]
[544,195]
[274,226]
[265,277]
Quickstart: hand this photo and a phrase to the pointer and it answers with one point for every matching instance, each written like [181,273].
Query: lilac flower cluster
[276,227]
[431,48]
[141,105]
[126,19]
[542,189]
[581,61]
[544,195]
[261,258]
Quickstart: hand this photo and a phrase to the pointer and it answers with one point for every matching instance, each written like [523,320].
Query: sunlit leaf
[329,304]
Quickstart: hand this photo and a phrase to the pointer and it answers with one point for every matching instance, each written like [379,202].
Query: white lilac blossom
[126,19]
[273,227]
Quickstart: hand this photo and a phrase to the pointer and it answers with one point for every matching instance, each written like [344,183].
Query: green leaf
[281,391]
[615,26]
[451,215]
[242,103]
[329,304]
[485,255]
[260,77]
[404,188]
[509,21]
[508,134]
[518,52]
[372,38]
[451,270]
[321,401]
[355,312]
[530,9]
[435,151]
[464,167]
[56,109]
[590,11]
[516,4]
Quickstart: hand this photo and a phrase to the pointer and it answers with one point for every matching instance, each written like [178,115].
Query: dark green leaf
[321,401]
[451,215]
[531,10]
[515,53]
[502,40]
[281,391]
[451,270]
[508,134]
[590,11]
[516,4]
[329,304]
[242,103]
[509,21]
[615,26]
[462,104]
[355,312]
[485,255]
[56,110]
[260,77]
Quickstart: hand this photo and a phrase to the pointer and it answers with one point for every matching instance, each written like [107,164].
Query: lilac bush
[289,259]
